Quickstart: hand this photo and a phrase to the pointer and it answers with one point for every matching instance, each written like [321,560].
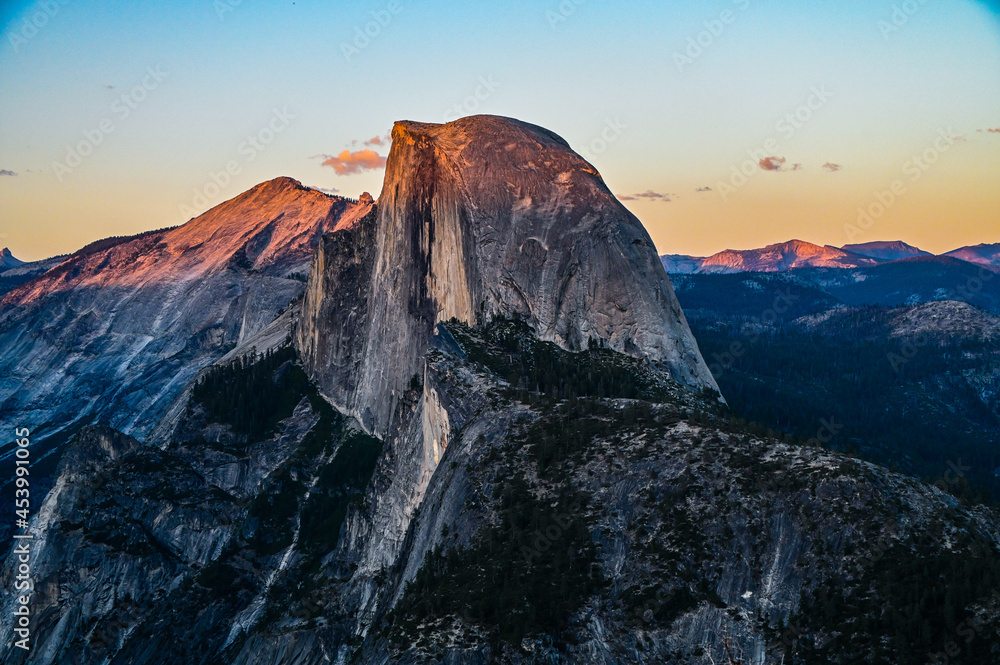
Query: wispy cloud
[654,196]
[704,189]
[831,167]
[7,172]
[379,140]
[772,163]
[648,195]
[327,190]
[348,163]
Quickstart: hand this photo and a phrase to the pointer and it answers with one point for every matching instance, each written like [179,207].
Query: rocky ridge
[116,330]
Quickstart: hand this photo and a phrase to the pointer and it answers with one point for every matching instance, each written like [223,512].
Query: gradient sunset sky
[670,101]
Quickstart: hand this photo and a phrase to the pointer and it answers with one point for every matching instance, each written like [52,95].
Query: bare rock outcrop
[492,217]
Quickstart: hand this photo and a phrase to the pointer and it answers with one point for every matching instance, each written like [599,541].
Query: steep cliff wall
[482,218]
[491,217]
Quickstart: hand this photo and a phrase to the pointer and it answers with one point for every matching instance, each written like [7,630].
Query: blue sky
[679,117]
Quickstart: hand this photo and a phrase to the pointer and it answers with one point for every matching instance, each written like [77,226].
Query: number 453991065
[22,455]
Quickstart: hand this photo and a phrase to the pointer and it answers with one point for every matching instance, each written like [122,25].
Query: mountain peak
[189,294]
[983,254]
[795,243]
[886,250]
[504,152]
[280,183]
[490,217]
[272,227]
[479,127]
[518,207]
[781,256]
[7,260]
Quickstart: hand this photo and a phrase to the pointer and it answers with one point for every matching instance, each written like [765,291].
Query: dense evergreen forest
[904,404]
[253,393]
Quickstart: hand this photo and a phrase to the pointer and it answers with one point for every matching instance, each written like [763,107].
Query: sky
[721,124]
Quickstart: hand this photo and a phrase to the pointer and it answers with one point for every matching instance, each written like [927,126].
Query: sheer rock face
[480,218]
[489,216]
[334,319]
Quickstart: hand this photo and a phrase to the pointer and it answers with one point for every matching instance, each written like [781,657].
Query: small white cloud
[349,163]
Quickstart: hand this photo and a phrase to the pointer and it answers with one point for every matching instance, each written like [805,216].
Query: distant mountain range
[14,272]
[799,254]
[986,255]
[892,250]
[894,284]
